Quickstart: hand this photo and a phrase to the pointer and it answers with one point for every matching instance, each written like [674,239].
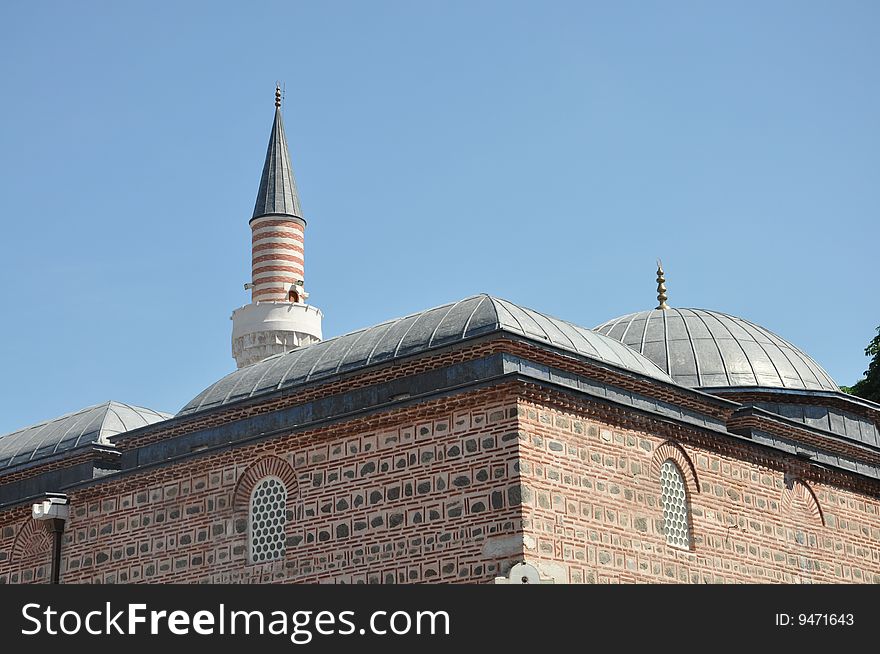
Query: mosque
[475,442]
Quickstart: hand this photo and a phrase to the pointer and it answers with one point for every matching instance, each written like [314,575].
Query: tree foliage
[869,387]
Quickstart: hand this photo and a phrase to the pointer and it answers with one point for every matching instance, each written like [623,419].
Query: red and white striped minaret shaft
[277,259]
[277,225]
[277,319]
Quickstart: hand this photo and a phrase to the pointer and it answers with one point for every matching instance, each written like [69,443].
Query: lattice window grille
[267,518]
[675,505]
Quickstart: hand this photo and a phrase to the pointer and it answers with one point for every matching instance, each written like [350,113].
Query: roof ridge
[48,421]
[101,438]
[138,407]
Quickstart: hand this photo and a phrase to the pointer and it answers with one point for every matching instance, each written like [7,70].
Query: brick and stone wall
[428,493]
[591,505]
[459,488]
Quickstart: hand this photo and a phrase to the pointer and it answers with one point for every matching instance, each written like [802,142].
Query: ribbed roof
[419,332]
[705,349]
[277,194]
[94,424]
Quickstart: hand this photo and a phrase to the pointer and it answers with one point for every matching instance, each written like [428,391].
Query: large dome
[417,333]
[706,349]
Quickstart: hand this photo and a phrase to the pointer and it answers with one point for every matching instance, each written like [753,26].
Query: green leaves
[869,387]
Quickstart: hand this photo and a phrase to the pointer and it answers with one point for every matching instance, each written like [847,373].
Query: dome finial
[277,95]
[661,287]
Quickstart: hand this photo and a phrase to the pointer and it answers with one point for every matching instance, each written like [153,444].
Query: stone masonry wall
[591,509]
[428,493]
[460,488]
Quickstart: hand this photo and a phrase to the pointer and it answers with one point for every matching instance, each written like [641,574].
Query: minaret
[277,319]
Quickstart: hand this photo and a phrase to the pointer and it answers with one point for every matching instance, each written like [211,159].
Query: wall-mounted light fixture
[53,510]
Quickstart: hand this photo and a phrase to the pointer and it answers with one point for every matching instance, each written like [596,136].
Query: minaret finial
[661,287]
[277,95]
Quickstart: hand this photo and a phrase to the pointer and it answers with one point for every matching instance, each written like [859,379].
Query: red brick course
[275,268]
[278,257]
[277,246]
[263,222]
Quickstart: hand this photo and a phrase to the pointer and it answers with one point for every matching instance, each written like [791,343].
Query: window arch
[675,504]
[249,503]
[32,554]
[799,499]
[267,519]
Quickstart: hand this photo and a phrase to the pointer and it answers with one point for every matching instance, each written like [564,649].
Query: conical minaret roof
[277,194]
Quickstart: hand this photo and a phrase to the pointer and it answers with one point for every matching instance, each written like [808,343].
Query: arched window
[293,296]
[674,500]
[267,518]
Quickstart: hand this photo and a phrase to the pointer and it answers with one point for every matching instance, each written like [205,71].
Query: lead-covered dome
[94,424]
[708,349]
[420,332]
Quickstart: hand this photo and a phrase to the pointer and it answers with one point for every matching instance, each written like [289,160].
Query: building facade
[670,445]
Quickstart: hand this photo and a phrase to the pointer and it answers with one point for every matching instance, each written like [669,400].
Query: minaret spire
[277,319]
[277,194]
[661,287]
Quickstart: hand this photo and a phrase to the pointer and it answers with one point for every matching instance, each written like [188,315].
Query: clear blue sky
[546,152]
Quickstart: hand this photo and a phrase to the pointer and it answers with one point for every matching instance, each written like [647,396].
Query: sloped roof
[94,424]
[419,332]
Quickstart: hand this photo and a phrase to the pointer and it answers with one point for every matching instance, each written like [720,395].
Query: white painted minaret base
[266,328]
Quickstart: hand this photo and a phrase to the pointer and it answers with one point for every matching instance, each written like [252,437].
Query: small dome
[94,424]
[708,349]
